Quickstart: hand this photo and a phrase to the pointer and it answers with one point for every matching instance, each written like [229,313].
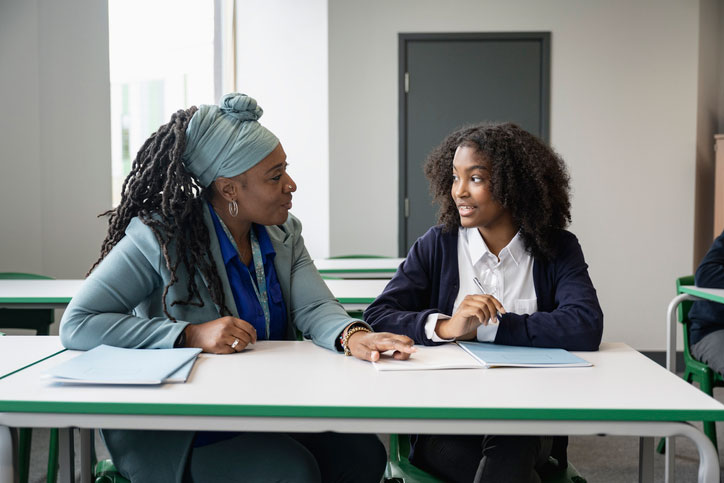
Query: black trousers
[484,459]
[289,457]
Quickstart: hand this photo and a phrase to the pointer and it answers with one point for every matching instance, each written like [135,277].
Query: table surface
[17,352]
[362,265]
[61,291]
[351,291]
[301,380]
[38,291]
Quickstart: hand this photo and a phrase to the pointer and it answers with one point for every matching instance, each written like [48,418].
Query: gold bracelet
[356,328]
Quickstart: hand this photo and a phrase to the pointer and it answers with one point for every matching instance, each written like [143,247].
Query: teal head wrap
[226,140]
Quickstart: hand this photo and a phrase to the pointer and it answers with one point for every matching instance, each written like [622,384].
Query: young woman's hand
[368,345]
[475,310]
[221,336]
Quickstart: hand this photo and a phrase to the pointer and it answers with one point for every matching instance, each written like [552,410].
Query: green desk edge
[34,300]
[356,300]
[357,270]
[558,414]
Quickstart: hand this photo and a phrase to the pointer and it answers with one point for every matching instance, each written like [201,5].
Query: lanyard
[260,285]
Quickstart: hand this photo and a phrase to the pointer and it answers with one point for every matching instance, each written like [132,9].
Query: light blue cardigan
[120,305]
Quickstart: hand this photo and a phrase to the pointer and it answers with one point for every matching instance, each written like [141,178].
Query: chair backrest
[683,314]
[34,319]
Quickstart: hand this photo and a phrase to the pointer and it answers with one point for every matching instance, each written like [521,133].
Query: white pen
[480,287]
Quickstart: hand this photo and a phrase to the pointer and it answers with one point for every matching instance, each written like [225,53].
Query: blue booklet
[115,365]
[496,355]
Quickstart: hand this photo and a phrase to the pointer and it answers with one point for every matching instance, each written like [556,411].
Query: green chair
[106,472]
[696,371]
[38,320]
[400,470]
[356,314]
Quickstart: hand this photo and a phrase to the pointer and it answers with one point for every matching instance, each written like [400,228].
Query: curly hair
[170,201]
[526,176]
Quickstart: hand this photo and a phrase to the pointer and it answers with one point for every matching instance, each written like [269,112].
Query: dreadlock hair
[526,177]
[170,201]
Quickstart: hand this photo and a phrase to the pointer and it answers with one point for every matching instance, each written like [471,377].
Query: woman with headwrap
[202,252]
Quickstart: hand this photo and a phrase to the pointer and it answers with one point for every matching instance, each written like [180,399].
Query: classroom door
[449,80]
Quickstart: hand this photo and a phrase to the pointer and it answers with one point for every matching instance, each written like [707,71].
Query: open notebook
[115,365]
[478,355]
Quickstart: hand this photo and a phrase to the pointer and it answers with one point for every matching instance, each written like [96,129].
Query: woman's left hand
[368,345]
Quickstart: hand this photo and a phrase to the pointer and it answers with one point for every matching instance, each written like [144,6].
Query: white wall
[54,135]
[623,116]
[21,182]
[282,63]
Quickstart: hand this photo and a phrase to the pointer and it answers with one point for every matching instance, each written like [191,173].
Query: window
[161,60]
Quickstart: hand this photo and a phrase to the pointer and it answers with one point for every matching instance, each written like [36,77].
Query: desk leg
[66,455]
[671,319]
[669,476]
[85,455]
[708,457]
[7,470]
[646,460]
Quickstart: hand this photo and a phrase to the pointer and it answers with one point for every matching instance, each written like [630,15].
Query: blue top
[707,317]
[241,277]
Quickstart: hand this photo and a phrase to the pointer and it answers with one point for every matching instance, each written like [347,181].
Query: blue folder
[115,365]
[492,355]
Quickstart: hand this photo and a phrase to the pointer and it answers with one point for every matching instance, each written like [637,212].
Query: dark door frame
[403,38]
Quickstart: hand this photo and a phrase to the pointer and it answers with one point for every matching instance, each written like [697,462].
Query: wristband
[339,343]
[352,330]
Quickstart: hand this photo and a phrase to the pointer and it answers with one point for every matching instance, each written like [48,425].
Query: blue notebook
[496,355]
[115,365]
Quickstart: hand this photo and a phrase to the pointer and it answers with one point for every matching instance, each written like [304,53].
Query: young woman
[499,268]
[202,252]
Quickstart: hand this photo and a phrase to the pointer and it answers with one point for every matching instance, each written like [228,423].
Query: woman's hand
[368,345]
[218,336]
[475,310]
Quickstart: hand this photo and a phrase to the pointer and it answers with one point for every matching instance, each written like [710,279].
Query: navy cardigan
[707,317]
[569,315]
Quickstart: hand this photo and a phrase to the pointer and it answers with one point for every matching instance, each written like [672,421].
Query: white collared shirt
[508,278]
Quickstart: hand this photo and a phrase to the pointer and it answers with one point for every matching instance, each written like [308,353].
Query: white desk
[383,268]
[32,294]
[356,294]
[624,393]
[16,352]
[352,294]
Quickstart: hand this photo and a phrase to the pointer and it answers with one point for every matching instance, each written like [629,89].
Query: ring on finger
[235,343]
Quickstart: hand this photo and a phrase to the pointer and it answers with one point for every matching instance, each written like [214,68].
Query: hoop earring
[233,208]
